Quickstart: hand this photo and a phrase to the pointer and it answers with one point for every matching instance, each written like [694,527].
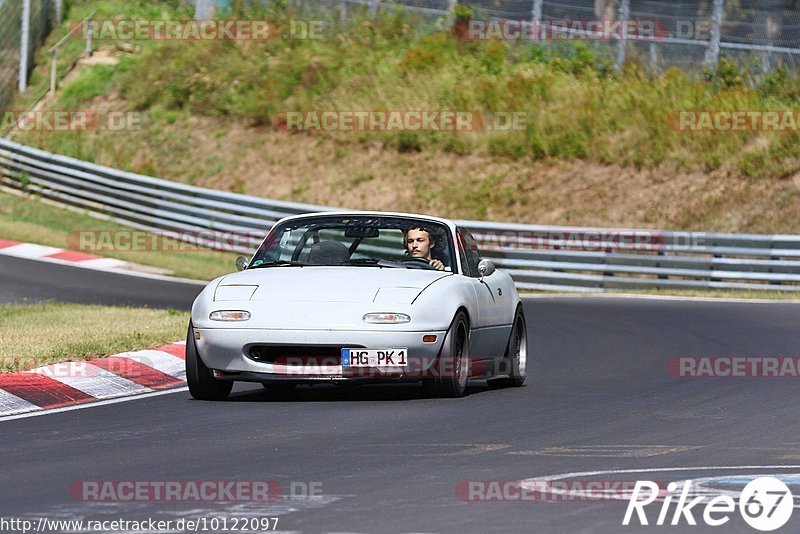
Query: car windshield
[358,241]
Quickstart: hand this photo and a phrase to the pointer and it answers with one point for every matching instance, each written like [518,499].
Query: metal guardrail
[537,257]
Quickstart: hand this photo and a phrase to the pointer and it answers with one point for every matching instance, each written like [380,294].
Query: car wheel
[451,370]
[517,350]
[202,384]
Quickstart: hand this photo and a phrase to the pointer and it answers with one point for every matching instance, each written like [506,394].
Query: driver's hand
[438,265]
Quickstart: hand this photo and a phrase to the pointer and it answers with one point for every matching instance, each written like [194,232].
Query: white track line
[561,476]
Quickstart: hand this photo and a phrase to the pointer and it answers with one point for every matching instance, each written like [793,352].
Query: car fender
[439,302]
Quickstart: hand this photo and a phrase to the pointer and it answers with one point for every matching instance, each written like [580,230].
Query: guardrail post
[24,48]
[624,15]
[712,54]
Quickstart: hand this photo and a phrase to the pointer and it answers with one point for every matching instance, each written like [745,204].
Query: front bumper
[227,351]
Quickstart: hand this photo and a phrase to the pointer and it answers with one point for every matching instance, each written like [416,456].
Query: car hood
[326,284]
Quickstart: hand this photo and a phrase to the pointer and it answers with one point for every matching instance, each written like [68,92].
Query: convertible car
[355,297]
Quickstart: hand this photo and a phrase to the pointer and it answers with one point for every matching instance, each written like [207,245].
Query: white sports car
[353,297]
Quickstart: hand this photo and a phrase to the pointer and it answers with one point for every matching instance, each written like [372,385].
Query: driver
[419,244]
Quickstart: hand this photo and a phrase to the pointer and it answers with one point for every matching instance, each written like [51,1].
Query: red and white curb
[31,251]
[64,384]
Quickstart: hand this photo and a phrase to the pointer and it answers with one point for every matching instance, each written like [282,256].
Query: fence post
[712,54]
[59,12]
[450,18]
[653,56]
[53,70]
[536,11]
[762,35]
[536,18]
[25,42]
[89,33]
[624,15]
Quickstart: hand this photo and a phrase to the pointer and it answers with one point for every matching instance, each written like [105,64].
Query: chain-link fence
[690,34]
[40,15]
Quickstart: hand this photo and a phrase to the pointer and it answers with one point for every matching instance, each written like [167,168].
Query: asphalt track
[388,460]
[25,280]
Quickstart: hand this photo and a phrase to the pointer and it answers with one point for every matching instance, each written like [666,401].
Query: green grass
[94,81]
[43,333]
[29,220]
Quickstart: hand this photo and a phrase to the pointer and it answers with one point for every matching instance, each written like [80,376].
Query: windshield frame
[397,221]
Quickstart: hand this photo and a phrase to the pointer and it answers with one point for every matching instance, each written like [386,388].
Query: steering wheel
[417,263]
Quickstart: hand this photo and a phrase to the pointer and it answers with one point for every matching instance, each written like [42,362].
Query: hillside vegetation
[598,147]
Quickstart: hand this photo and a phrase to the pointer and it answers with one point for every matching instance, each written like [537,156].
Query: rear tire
[517,351]
[202,384]
[451,370]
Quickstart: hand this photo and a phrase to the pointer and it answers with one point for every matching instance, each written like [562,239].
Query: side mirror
[485,268]
[241,263]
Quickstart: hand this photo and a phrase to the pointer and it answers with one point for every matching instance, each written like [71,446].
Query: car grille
[299,354]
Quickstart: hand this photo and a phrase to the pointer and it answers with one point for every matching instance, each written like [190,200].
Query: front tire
[451,370]
[202,384]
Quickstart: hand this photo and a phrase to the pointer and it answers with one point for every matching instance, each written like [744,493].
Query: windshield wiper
[278,263]
[377,263]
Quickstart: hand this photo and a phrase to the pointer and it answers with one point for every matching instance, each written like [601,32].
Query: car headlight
[386,318]
[229,315]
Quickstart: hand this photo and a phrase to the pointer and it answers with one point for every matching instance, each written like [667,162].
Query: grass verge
[29,220]
[43,333]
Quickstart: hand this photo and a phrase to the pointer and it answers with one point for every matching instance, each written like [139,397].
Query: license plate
[374,357]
